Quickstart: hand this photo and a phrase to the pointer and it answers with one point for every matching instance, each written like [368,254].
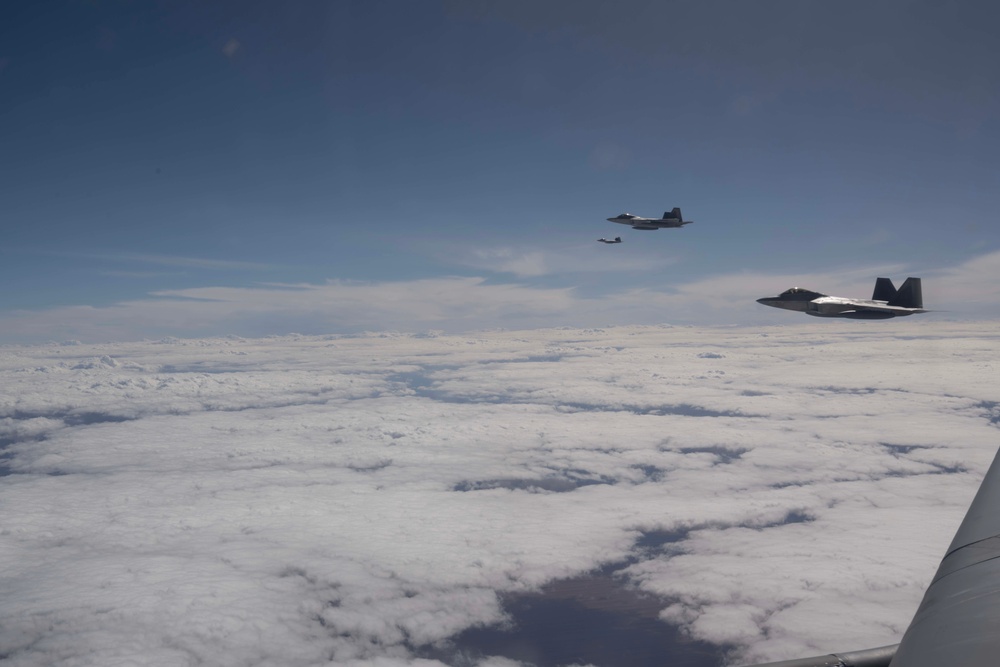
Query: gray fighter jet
[886,302]
[616,239]
[670,219]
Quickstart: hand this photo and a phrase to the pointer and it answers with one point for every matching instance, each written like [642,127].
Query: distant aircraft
[956,622]
[670,219]
[617,239]
[886,302]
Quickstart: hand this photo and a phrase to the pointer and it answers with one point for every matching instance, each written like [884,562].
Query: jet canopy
[799,293]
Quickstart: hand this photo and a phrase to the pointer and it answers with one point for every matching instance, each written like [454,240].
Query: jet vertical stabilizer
[673,215]
[909,294]
[884,290]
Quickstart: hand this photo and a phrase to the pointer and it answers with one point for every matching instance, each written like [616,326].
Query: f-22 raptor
[886,302]
[616,239]
[670,219]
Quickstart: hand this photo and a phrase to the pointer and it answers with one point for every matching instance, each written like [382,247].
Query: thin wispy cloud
[575,259]
[231,47]
[175,261]
[472,303]
[523,264]
[188,262]
[975,282]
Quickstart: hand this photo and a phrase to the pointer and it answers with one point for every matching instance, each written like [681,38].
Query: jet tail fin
[884,290]
[673,215]
[909,294]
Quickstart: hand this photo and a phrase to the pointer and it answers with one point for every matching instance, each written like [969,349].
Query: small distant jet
[886,302]
[670,219]
[616,239]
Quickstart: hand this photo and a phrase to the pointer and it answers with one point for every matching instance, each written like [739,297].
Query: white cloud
[456,304]
[972,285]
[523,264]
[532,262]
[299,500]
[452,303]
[173,261]
[609,156]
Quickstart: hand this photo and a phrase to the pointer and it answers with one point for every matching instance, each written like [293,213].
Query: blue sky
[153,151]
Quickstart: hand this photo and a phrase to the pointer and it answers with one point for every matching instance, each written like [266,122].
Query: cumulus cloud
[337,306]
[367,499]
[972,285]
[457,304]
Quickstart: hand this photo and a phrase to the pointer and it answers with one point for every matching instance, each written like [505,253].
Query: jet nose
[610,219]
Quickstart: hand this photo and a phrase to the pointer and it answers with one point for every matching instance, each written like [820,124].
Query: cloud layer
[459,304]
[299,500]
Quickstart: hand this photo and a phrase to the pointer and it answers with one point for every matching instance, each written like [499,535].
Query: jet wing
[837,306]
[957,621]
[895,310]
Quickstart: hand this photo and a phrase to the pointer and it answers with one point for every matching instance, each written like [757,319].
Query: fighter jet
[616,239]
[886,302]
[670,219]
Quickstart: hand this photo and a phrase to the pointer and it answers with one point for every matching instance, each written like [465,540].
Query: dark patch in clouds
[993,408]
[592,620]
[72,417]
[681,410]
[896,450]
[722,454]
[652,473]
[552,484]
[656,540]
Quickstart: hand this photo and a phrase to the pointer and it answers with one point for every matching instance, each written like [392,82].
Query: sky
[406,499]
[308,352]
[244,168]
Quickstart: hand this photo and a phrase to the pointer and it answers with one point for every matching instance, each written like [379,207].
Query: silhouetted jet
[670,219]
[886,302]
[616,239]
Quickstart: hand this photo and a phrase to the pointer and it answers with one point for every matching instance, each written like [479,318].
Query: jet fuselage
[670,219]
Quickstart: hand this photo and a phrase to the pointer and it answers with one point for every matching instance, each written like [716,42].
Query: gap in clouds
[589,620]
[598,618]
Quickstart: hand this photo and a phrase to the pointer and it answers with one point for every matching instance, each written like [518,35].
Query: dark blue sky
[151,147]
